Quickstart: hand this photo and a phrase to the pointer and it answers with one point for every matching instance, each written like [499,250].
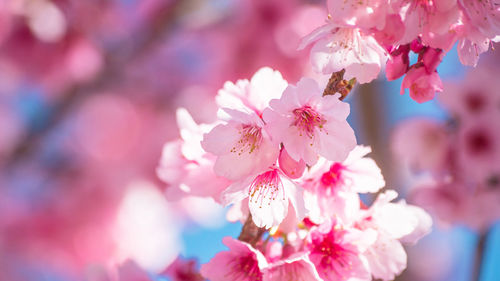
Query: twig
[479,256]
[251,233]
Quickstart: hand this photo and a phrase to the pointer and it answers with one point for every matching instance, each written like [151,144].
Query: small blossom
[241,263]
[308,124]
[242,146]
[334,253]
[336,48]
[268,196]
[422,84]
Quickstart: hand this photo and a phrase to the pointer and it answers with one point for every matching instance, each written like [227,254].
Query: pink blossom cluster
[460,156]
[285,157]
[363,36]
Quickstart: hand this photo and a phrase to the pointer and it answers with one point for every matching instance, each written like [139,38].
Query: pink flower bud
[432,58]
[416,45]
[289,166]
[397,66]
[422,85]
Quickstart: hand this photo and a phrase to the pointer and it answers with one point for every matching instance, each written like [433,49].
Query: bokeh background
[88,93]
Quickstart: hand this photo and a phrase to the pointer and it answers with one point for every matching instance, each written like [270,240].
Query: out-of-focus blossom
[185,166]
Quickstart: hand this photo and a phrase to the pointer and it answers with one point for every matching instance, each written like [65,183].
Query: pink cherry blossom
[471,96]
[183,270]
[483,15]
[363,14]
[430,19]
[266,84]
[398,64]
[422,84]
[335,255]
[242,146]
[386,256]
[297,266]
[269,194]
[185,167]
[421,143]
[241,263]
[478,146]
[337,47]
[308,124]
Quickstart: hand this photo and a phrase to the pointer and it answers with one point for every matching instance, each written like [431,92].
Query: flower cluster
[362,36]
[460,155]
[286,158]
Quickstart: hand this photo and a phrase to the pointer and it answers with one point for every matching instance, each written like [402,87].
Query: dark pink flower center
[307,120]
[475,101]
[250,139]
[333,256]
[333,177]
[479,142]
[244,267]
[266,187]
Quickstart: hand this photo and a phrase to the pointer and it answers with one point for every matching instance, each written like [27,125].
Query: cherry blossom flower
[421,143]
[422,84]
[335,253]
[297,266]
[253,95]
[338,47]
[308,124]
[363,14]
[392,221]
[331,188]
[242,262]
[268,195]
[185,167]
[242,146]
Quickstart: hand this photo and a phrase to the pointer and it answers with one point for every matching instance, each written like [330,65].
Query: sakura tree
[126,122]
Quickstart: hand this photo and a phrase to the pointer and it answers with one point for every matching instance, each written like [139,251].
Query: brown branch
[337,84]
[250,233]
[479,256]
[116,59]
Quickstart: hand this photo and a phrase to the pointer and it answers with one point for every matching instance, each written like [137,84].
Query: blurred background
[88,93]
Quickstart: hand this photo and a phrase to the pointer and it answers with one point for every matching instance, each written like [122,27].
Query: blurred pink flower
[185,167]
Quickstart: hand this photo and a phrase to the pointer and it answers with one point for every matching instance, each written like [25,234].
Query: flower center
[307,120]
[334,257]
[245,267]
[250,139]
[266,187]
